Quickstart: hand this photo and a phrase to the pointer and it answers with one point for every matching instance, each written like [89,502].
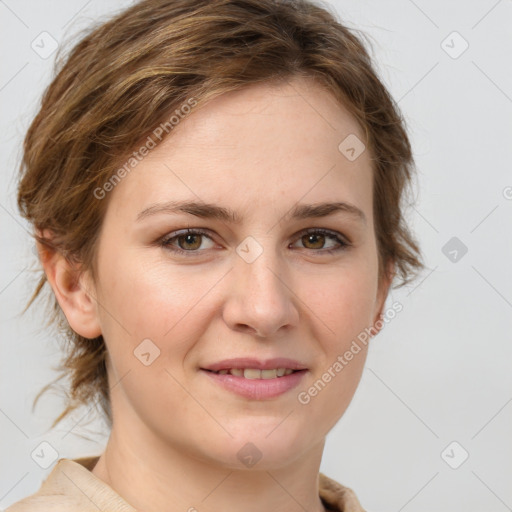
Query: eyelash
[165,242]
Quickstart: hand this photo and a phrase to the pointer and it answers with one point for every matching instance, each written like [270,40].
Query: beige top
[71,487]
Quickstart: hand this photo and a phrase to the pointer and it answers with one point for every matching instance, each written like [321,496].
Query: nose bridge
[263,276]
[260,299]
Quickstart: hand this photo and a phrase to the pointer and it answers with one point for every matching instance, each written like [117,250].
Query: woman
[215,190]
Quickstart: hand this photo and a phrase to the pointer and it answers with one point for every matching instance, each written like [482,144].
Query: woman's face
[260,288]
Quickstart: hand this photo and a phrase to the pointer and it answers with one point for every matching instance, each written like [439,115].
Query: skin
[259,151]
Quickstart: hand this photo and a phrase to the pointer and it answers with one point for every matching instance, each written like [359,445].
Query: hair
[126,75]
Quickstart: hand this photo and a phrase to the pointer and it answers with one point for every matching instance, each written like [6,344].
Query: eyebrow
[213,211]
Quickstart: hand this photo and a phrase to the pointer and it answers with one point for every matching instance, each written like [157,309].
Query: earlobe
[73,291]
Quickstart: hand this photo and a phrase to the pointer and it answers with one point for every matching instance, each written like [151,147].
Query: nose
[261,299]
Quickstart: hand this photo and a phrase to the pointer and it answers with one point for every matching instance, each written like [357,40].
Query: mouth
[256,379]
[255,373]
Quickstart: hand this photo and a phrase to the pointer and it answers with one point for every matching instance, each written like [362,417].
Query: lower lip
[257,389]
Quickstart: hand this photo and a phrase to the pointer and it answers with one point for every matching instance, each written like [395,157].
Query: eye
[317,239]
[188,240]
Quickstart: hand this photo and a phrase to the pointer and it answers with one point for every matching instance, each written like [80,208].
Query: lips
[255,379]
[245,363]
[254,373]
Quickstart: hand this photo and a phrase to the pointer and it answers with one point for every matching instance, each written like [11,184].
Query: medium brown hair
[127,75]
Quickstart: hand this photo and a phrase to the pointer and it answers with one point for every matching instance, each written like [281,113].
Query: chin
[260,447]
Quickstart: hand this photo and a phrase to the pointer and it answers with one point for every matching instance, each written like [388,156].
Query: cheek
[148,301]
[343,301]
[330,394]
[345,306]
[149,297]
[346,310]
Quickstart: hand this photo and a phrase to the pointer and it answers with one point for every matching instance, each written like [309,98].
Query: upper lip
[247,362]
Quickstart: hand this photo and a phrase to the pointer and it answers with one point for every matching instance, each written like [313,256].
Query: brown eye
[316,240]
[189,241]
[323,241]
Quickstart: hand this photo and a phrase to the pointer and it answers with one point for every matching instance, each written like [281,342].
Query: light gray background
[440,371]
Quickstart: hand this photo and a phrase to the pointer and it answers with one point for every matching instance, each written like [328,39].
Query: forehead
[254,114]
[260,145]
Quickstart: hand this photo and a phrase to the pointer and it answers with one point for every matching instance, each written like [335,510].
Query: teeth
[253,373]
[249,373]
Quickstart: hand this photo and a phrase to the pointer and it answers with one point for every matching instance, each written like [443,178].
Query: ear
[74,291]
[382,294]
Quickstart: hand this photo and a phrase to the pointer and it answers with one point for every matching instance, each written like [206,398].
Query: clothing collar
[77,488]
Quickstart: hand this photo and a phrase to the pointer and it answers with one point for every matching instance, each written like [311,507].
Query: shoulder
[42,503]
[69,486]
[338,497]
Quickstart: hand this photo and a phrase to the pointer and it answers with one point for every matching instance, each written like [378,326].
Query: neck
[160,477]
